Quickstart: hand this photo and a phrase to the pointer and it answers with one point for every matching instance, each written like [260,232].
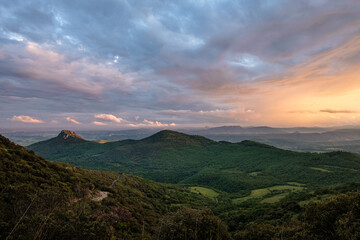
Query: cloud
[148,123]
[53,69]
[157,123]
[99,123]
[25,119]
[220,57]
[54,122]
[108,117]
[72,120]
[337,111]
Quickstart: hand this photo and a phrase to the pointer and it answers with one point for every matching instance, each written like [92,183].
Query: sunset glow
[126,64]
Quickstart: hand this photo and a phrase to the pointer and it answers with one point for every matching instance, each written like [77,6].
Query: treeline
[335,219]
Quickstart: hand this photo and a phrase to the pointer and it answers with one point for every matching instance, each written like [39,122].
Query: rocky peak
[65,134]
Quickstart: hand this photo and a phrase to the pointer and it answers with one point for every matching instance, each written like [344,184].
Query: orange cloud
[99,123]
[72,120]
[25,119]
[157,124]
[148,123]
[337,111]
[108,117]
[326,81]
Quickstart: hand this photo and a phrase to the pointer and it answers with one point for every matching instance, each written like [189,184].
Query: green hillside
[49,200]
[46,200]
[173,157]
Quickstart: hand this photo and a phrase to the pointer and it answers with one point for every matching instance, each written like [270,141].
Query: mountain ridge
[173,157]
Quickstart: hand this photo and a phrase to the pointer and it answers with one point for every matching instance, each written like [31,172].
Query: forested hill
[174,157]
[46,200]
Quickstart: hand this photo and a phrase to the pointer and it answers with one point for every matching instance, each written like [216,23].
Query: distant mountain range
[173,157]
[312,139]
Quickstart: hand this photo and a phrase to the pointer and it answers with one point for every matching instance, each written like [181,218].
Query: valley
[239,187]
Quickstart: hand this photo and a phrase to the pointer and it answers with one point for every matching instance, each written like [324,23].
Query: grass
[207,192]
[286,187]
[262,192]
[319,169]
[274,198]
[296,184]
[257,193]
[254,174]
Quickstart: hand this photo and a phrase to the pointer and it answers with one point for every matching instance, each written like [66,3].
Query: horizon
[158,129]
[121,65]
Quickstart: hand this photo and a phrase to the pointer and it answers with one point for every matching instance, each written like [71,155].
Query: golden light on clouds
[328,81]
[247,63]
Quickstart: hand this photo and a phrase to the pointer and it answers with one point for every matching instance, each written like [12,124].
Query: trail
[102,194]
[114,182]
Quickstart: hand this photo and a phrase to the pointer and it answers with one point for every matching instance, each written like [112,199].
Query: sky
[116,64]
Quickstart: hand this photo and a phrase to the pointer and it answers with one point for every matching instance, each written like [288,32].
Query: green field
[261,193]
[286,187]
[254,174]
[207,192]
[257,193]
[296,184]
[274,198]
[320,169]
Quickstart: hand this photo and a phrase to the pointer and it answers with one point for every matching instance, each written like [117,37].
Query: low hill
[173,157]
[168,137]
[47,200]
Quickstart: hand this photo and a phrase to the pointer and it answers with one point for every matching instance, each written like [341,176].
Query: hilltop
[67,134]
[176,139]
[173,157]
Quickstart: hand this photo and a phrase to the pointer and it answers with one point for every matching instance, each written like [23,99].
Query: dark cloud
[337,111]
[132,57]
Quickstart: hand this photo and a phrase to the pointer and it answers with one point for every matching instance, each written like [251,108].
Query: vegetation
[207,192]
[336,218]
[172,157]
[47,200]
[50,200]
[192,224]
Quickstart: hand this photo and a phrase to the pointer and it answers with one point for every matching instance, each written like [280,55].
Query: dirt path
[100,196]
[114,182]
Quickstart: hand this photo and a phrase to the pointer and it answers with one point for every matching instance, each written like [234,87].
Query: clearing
[262,192]
[207,192]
